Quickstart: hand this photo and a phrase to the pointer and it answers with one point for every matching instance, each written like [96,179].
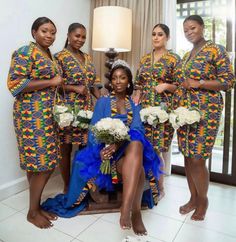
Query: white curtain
[169,18]
[145,14]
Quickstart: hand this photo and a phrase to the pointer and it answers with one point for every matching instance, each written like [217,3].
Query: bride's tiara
[120,62]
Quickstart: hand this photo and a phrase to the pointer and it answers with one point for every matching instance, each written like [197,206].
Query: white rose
[150,119]
[60,109]
[173,119]
[193,116]
[163,116]
[82,114]
[89,114]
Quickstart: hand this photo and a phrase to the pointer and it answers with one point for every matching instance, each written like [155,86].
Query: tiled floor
[163,223]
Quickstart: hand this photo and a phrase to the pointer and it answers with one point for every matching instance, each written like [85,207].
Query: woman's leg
[131,171]
[65,164]
[191,204]
[36,215]
[136,217]
[200,176]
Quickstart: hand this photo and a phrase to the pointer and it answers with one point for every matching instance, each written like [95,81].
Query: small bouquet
[109,131]
[182,116]
[82,118]
[63,115]
[154,115]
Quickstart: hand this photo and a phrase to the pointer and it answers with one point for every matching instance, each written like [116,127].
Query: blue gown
[86,166]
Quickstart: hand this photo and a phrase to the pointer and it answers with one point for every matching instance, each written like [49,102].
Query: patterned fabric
[76,73]
[86,172]
[149,75]
[34,125]
[210,63]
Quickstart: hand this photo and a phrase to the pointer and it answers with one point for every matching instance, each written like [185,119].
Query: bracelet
[201,83]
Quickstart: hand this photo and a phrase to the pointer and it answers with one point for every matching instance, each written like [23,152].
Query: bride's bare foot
[137,223]
[188,207]
[35,217]
[200,212]
[48,215]
[125,219]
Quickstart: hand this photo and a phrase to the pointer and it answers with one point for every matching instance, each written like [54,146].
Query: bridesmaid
[156,81]
[32,80]
[206,71]
[79,76]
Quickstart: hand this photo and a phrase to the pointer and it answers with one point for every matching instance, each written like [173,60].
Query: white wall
[16,18]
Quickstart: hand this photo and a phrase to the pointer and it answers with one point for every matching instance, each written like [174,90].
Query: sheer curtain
[145,14]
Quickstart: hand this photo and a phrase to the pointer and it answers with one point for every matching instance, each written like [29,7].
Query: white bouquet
[182,116]
[82,119]
[109,131]
[63,115]
[154,115]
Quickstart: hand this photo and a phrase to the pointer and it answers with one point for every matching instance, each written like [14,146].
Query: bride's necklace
[128,107]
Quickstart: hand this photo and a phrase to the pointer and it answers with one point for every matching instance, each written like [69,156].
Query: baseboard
[11,188]
[18,185]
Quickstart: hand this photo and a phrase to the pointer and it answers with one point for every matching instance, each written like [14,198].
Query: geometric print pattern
[35,129]
[148,76]
[210,63]
[76,73]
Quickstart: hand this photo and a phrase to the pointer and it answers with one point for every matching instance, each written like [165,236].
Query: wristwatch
[201,83]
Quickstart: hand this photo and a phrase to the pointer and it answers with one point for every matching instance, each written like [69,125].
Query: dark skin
[196,171]
[129,166]
[76,40]
[44,37]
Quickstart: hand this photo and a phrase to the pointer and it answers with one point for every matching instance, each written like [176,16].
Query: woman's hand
[81,89]
[194,83]
[136,97]
[56,81]
[104,92]
[107,152]
[160,88]
[191,83]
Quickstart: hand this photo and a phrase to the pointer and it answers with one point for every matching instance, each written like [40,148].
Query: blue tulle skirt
[86,165]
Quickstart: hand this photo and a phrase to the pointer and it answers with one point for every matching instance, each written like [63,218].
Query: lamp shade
[112,28]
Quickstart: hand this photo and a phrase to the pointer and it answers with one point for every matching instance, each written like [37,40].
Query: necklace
[128,107]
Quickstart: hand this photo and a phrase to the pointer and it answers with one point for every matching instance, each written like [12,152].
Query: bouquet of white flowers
[109,131]
[154,115]
[63,115]
[82,118]
[182,116]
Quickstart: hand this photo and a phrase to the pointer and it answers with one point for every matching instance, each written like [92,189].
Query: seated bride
[133,162]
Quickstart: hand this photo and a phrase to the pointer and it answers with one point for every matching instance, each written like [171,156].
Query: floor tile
[191,233]
[175,180]
[17,229]
[176,193]
[74,226]
[219,222]
[18,201]
[161,227]
[6,211]
[169,208]
[103,231]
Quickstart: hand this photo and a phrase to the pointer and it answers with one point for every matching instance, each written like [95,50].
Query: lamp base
[111,54]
